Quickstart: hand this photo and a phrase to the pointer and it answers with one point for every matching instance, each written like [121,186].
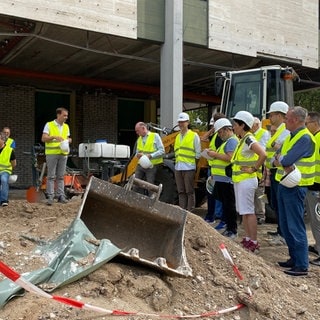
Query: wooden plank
[117,17]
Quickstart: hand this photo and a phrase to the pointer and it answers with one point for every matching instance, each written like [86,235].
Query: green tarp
[73,255]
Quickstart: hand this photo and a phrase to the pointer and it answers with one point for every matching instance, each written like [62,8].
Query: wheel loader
[254,90]
[165,174]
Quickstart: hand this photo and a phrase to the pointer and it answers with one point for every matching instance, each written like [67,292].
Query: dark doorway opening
[46,104]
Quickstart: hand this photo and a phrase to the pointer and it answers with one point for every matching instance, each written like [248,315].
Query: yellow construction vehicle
[254,90]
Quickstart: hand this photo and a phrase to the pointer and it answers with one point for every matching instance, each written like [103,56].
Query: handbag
[228,170]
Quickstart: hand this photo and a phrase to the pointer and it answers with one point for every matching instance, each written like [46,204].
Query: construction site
[110,251]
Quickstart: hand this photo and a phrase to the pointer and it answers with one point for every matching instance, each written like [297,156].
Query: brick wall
[96,118]
[17,106]
[100,118]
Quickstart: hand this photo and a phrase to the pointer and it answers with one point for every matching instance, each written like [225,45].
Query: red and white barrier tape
[19,280]
[229,259]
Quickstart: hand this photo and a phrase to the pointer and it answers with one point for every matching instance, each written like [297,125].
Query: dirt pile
[125,286]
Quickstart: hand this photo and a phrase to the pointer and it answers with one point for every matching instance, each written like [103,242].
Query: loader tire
[271,216]
[169,189]
[201,195]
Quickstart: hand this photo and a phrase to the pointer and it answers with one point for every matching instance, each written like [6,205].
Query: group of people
[187,149]
[235,166]
[241,154]
[288,154]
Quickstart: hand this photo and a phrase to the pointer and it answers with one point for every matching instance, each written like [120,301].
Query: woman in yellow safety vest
[246,161]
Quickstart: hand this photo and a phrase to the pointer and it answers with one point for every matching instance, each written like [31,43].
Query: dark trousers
[185,186]
[225,193]
[148,175]
[274,196]
[211,202]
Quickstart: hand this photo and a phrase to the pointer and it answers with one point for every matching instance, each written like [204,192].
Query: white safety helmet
[246,117]
[210,185]
[145,162]
[291,179]
[279,106]
[221,123]
[64,146]
[12,178]
[183,117]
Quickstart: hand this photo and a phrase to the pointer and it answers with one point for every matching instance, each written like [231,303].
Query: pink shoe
[251,246]
[244,242]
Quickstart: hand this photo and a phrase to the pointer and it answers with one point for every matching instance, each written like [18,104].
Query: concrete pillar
[171,74]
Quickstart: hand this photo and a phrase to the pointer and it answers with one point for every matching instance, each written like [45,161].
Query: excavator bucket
[148,231]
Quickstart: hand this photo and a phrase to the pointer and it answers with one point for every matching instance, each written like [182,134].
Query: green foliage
[308,99]
[199,119]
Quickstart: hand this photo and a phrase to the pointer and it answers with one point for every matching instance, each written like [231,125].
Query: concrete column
[171,74]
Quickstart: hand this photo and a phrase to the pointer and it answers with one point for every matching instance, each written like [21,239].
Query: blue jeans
[291,222]
[4,187]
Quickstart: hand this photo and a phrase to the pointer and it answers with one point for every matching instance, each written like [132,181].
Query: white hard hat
[210,185]
[211,123]
[221,123]
[64,146]
[291,179]
[13,178]
[183,117]
[279,106]
[145,162]
[246,117]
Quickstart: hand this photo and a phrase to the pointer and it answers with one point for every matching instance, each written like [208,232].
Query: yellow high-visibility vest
[212,145]
[5,164]
[149,147]
[218,166]
[184,149]
[238,161]
[317,173]
[269,147]
[305,165]
[53,147]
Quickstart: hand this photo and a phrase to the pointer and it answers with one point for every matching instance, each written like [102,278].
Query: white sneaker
[277,241]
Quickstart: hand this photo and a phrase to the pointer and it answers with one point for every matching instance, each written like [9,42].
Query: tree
[308,99]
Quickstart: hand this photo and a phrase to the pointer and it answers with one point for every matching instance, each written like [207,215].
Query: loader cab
[254,90]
